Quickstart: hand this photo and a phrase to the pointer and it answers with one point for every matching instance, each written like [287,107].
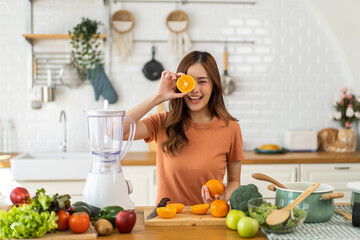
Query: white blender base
[108,189]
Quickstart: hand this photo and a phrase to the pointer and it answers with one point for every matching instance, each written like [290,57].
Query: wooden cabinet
[334,174]
[143,179]
[280,172]
[74,188]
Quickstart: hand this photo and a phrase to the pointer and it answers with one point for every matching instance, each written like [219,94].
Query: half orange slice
[166,212]
[185,83]
[200,209]
[179,206]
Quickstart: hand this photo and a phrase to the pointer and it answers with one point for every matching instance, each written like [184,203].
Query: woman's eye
[203,81]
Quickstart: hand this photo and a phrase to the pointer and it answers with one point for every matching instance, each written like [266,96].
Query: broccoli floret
[240,197]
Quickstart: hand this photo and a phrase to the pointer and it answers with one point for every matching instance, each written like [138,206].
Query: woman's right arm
[166,91]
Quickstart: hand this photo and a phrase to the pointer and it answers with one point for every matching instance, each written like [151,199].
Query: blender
[105,184]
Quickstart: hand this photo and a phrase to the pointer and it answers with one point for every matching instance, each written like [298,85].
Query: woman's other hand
[166,90]
[205,193]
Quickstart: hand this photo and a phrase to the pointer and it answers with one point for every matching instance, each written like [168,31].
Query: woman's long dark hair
[178,111]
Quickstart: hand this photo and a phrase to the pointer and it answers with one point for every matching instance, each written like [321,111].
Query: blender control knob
[130,186]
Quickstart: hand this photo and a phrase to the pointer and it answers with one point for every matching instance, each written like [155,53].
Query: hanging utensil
[152,69]
[227,83]
[277,217]
[263,177]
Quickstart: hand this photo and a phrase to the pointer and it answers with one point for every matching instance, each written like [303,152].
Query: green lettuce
[25,222]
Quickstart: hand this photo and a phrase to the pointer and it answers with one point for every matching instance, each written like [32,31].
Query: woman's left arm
[233,178]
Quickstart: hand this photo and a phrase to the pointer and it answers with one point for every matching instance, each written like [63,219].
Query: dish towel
[335,229]
[101,84]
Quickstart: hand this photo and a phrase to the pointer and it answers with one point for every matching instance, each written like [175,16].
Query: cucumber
[80,203]
[82,208]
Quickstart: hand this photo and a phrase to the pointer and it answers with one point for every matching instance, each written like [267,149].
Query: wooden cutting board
[89,234]
[185,218]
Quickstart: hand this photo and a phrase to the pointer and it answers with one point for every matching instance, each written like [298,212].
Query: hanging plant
[86,53]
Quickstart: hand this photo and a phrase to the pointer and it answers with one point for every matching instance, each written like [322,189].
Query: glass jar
[8,138]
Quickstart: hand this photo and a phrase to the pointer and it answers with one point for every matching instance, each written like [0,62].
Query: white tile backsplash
[288,79]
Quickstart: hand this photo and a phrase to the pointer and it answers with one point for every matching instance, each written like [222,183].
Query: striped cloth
[337,228]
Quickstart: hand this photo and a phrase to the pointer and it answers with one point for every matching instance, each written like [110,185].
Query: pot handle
[328,196]
[271,187]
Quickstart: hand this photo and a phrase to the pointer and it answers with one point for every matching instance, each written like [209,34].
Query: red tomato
[19,195]
[79,222]
[63,221]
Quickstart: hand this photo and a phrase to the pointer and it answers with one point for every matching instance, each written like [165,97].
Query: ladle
[263,177]
[277,217]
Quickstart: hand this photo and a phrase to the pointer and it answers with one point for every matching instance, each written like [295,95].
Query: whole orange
[215,187]
[219,208]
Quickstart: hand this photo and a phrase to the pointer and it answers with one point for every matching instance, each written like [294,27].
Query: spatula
[263,177]
[277,217]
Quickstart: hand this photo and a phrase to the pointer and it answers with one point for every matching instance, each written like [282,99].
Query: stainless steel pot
[321,203]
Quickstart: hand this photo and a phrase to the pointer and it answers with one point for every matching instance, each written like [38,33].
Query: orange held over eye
[200,209]
[215,187]
[219,208]
[179,206]
[185,83]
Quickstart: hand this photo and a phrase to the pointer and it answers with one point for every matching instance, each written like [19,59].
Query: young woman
[197,139]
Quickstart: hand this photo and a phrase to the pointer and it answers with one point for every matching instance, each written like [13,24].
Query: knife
[162,203]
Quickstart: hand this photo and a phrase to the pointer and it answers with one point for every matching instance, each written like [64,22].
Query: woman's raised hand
[166,90]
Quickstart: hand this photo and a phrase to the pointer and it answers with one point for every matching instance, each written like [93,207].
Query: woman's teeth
[194,98]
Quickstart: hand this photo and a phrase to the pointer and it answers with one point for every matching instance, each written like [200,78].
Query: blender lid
[105,112]
[354,186]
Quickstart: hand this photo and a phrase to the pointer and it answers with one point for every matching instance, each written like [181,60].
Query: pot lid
[354,186]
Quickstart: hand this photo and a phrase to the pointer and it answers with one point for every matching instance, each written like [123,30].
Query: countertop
[251,157]
[140,231]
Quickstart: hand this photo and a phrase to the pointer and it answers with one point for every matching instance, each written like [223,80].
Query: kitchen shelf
[53,36]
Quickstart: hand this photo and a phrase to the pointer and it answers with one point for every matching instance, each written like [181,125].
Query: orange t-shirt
[205,157]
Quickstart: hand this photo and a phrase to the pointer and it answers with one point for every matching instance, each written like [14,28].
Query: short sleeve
[236,152]
[154,124]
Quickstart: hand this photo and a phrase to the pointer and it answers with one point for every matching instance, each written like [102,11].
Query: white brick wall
[288,79]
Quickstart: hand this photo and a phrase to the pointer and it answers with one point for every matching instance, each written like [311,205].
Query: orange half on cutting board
[166,212]
[200,209]
[179,206]
[185,83]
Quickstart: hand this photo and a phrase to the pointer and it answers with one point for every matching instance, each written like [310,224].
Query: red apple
[125,221]
[19,195]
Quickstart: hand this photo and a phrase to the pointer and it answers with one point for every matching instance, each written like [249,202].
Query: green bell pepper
[109,213]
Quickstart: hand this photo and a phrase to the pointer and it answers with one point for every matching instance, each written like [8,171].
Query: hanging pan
[227,83]
[152,69]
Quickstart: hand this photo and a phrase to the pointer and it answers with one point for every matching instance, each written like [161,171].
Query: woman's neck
[201,116]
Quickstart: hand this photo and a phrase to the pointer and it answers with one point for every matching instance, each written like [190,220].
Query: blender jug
[105,184]
[105,130]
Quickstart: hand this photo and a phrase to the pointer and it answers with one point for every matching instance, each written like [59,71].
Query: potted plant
[87,58]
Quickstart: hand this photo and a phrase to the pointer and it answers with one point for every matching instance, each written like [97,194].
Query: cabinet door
[334,174]
[280,172]
[74,188]
[143,179]
[5,182]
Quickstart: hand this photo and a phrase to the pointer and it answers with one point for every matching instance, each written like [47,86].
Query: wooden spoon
[263,177]
[277,217]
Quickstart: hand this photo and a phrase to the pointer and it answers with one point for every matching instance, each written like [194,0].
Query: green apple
[233,217]
[247,227]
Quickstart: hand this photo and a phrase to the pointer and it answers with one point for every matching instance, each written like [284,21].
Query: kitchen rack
[30,37]
[54,61]
[188,2]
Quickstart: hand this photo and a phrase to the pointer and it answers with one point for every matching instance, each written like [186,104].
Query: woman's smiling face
[198,99]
